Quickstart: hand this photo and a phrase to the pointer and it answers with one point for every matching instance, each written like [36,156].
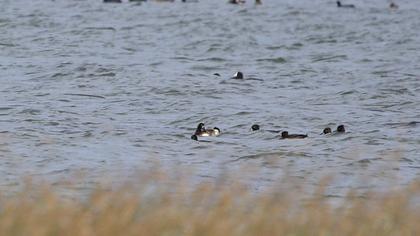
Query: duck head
[216,131]
[200,128]
[341,129]
[284,134]
[238,75]
[255,127]
[327,130]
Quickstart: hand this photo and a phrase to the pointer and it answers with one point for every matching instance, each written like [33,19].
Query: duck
[238,75]
[286,135]
[210,132]
[327,131]
[345,5]
[393,5]
[236,1]
[340,129]
[258,2]
[255,127]
[112,1]
[201,131]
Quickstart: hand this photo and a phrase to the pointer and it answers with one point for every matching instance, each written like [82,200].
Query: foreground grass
[208,209]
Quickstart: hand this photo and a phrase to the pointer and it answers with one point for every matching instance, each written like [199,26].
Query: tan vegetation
[158,208]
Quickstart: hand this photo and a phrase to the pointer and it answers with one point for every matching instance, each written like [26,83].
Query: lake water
[91,90]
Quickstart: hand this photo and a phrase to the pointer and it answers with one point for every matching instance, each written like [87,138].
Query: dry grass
[208,209]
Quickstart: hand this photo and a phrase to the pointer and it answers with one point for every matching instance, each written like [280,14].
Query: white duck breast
[210,132]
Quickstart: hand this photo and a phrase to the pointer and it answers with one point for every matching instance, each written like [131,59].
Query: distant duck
[112,1]
[286,135]
[341,129]
[255,127]
[236,1]
[345,5]
[137,0]
[210,132]
[201,131]
[238,75]
[258,2]
[327,131]
[393,5]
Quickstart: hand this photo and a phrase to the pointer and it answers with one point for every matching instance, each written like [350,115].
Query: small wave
[273,60]
[404,124]
[84,95]
[100,28]
[213,59]
[59,75]
[182,58]
[205,68]
[30,111]
[334,58]
[8,45]
[279,154]
[5,108]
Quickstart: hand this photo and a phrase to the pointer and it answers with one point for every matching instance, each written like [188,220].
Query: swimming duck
[203,132]
[341,129]
[345,5]
[258,2]
[393,5]
[238,75]
[236,1]
[112,1]
[327,131]
[285,135]
[210,132]
[255,127]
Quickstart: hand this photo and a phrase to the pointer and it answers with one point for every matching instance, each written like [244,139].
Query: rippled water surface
[97,89]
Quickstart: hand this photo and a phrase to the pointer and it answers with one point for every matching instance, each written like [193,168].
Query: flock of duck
[392,5]
[201,131]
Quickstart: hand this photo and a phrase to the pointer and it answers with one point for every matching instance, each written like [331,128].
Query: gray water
[91,89]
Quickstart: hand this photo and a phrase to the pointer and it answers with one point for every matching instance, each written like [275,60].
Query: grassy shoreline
[153,208]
